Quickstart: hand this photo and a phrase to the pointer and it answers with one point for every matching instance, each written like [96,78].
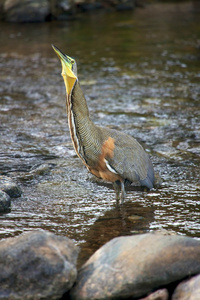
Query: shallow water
[140,72]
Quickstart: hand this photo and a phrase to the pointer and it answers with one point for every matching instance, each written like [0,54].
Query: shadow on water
[140,72]
[130,218]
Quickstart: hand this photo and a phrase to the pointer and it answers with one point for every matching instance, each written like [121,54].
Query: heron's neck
[80,125]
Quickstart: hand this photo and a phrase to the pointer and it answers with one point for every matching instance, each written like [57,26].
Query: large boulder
[37,265]
[26,10]
[133,266]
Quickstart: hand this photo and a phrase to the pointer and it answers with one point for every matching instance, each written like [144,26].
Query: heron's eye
[72,61]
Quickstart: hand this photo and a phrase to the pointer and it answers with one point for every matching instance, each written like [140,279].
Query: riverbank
[47,10]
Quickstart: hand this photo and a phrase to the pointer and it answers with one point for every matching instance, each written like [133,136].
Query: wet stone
[10,187]
[188,289]
[4,202]
[134,266]
[157,295]
[26,11]
[41,170]
[37,265]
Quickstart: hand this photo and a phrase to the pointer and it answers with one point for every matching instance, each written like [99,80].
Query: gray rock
[26,10]
[133,266]
[188,290]
[10,187]
[157,295]
[4,202]
[37,265]
[125,5]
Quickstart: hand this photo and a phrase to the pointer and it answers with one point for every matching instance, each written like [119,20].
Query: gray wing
[130,160]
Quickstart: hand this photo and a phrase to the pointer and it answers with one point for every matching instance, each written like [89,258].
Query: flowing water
[140,72]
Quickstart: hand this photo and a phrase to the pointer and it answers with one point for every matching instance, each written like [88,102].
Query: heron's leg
[116,186]
[123,192]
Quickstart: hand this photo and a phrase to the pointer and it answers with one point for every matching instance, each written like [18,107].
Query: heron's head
[69,69]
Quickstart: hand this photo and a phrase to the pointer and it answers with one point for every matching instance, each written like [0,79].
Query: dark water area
[140,72]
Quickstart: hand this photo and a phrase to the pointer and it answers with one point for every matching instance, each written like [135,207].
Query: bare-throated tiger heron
[107,153]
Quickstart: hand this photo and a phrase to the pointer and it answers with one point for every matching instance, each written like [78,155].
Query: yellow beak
[67,73]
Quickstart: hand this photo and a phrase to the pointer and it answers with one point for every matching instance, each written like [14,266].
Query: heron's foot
[117,190]
[119,187]
[123,193]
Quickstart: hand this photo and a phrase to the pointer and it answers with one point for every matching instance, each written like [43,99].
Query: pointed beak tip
[54,47]
[58,52]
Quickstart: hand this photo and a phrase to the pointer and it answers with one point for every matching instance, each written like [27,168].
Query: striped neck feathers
[78,119]
[76,102]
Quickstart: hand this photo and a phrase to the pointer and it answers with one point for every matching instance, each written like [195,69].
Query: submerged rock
[4,202]
[188,289]
[89,6]
[10,187]
[125,5]
[133,266]
[41,170]
[37,265]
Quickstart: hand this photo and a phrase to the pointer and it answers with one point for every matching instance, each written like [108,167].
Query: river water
[140,72]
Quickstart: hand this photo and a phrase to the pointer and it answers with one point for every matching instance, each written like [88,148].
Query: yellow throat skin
[67,73]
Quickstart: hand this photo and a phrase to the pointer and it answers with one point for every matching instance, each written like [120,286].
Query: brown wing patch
[107,151]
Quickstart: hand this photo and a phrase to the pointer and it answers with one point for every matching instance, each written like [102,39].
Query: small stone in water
[10,187]
[4,202]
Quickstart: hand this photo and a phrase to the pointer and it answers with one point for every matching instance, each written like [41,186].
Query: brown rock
[158,295]
[37,265]
[133,266]
[188,290]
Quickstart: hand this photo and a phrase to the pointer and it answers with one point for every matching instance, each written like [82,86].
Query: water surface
[140,72]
